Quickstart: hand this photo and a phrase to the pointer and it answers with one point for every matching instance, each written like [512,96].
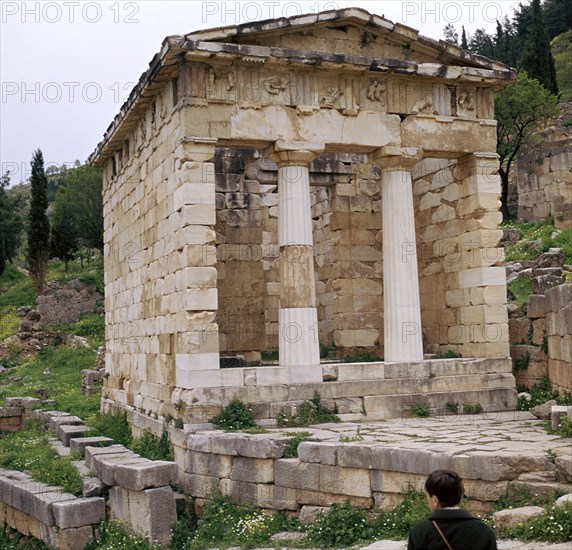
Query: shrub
[420,410]
[112,424]
[150,446]
[235,416]
[396,523]
[472,408]
[521,363]
[310,412]
[362,358]
[341,525]
[291,450]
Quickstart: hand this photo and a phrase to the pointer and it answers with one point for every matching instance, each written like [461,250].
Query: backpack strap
[442,535]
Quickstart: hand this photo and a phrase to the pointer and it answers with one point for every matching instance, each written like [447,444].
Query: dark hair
[446,485]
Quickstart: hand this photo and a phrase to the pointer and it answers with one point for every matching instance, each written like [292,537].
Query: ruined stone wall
[559,323]
[544,183]
[462,284]
[66,303]
[158,210]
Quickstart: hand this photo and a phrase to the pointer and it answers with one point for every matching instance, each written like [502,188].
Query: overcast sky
[66,67]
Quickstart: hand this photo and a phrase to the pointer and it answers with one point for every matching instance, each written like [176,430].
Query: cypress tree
[2,255]
[38,224]
[464,43]
[536,57]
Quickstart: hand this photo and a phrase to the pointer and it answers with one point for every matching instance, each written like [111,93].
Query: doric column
[403,340]
[298,318]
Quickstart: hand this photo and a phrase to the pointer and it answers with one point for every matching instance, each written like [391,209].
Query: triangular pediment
[348,32]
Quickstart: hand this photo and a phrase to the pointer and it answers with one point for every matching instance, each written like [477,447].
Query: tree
[450,34]
[557,17]
[464,43]
[63,240]
[481,43]
[11,224]
[2,256]
[38,223]
[536,57]
[80,196]
[519,110]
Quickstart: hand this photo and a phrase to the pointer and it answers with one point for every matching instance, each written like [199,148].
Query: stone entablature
[400,103]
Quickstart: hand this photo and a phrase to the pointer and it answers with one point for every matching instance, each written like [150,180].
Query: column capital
[293,153]
[391,157]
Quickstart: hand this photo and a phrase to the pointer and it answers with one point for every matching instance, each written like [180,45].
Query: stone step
[65,432]
[80,443]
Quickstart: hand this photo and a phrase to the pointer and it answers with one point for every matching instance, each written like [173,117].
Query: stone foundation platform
[359,391]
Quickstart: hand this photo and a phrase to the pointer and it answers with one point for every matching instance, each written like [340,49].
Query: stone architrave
[401,311]
[298,318]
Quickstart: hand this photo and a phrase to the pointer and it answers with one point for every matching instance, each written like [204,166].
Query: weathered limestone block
[91,453]
[66,432]
[79,512]
[253,470]
[408,460]
[208,464]
[508,519]
[74,537]
[80,443]
[145,474]
[262,446]
[321,453]
[292,473]
[345,481]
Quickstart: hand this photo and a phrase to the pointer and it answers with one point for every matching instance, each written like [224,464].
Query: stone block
[345,481]
[92,452]
[253,470]
[564,467]
[145,474]
[354,456]
[208,464]
[152,513]
[536,307]
[74,538]
[93,487]
[66,432]
[322,452]
[80,443]
[79,512]
[201,486]
[556,414]
[292,473]
[262,446]
[309,514]
[415,461]
[508,519]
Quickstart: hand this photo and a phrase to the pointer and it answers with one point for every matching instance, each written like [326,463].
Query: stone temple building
[319,180]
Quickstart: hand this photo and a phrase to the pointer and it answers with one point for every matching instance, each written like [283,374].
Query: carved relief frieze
[329,95]
[466,102]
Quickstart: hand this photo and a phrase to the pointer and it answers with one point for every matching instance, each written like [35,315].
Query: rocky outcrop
[66,303]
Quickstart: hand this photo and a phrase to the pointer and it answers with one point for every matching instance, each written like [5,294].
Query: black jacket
[462,530]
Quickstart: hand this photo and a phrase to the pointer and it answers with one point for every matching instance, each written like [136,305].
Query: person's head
[444,489]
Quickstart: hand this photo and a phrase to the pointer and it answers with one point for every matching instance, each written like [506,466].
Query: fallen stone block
[60,418]
[80,443]
[105,467]
[564,467]
[66,432]
[508,519]
[543,411]
[145,474]
[93,487]
[79,512]
[564,500]
[309,514]
[74,538]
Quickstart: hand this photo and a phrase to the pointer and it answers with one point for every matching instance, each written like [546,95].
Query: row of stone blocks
[251,468]
[138,490]
[59,519]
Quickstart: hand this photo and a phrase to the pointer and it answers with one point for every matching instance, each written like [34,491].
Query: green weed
[291,450]
[235,416]
[112,424]
[112,535]
[310,412]
[420,410]
[150,446]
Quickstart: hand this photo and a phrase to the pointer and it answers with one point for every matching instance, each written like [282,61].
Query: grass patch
[30,451]
[542,232]
[16,289]
[90,326]
[225,524]
[310,412]
[58,370]
[9,321]
[555,525]
[112,534]
[421,410]
[449,354]
[522,290]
